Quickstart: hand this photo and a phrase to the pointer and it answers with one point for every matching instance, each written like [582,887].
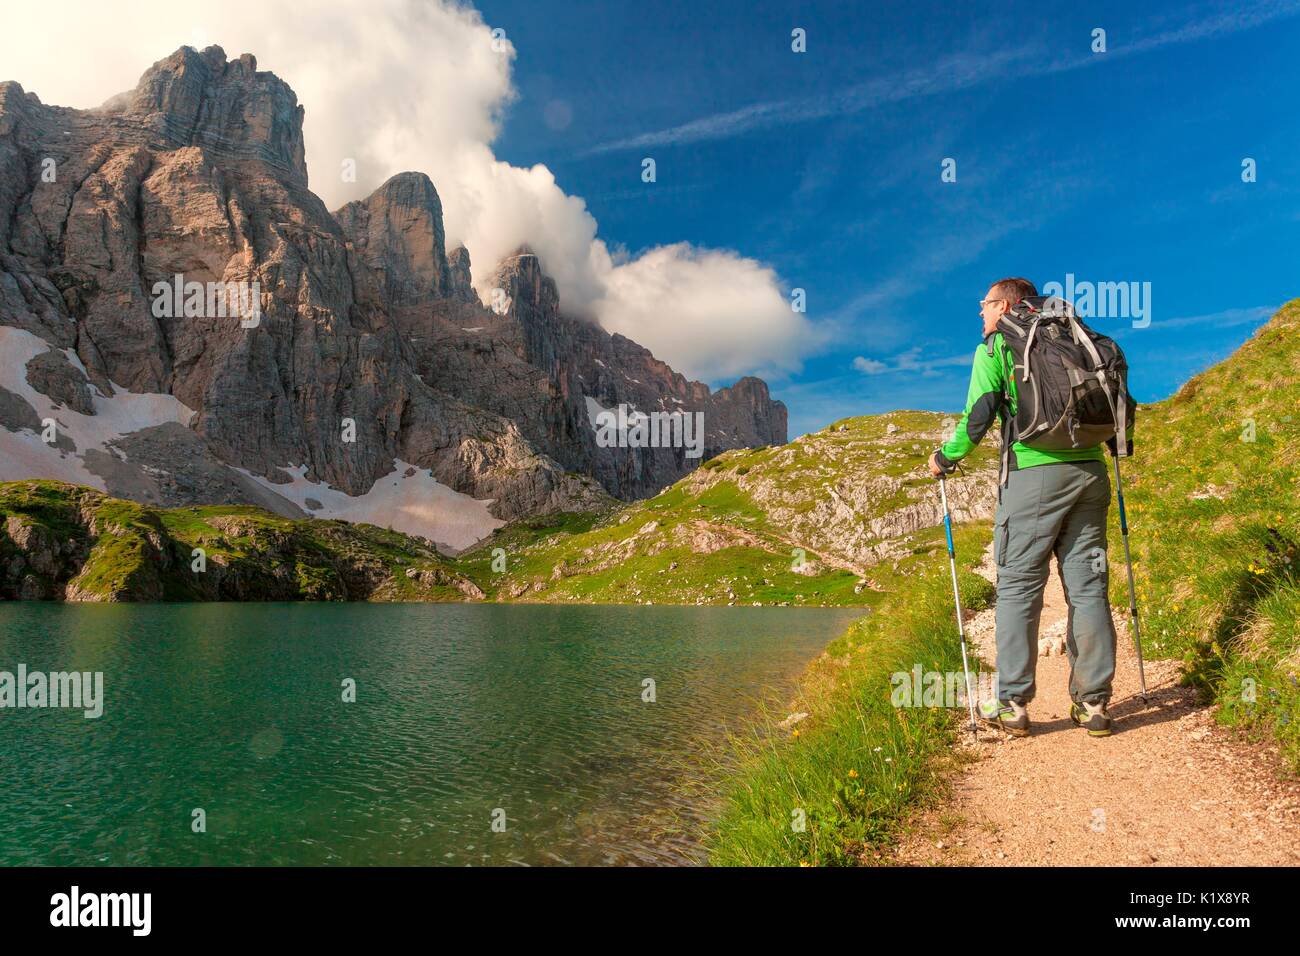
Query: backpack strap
[1004,471]
[1082,338]
[1005,411]
[1029,344]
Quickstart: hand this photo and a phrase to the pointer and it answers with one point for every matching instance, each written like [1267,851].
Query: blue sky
[1116,166]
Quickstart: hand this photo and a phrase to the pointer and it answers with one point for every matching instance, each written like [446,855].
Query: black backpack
[1071,382]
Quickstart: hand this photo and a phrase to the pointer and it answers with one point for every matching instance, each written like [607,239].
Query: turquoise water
[463,714]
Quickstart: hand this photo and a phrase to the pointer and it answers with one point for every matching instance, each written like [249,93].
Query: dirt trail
[1169,787]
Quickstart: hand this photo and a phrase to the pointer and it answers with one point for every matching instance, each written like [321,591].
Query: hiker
[1051,501]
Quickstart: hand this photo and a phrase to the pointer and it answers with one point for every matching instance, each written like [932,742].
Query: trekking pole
[1132,588]
[956,596]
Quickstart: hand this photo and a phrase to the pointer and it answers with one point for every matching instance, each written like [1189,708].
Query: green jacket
[989,374]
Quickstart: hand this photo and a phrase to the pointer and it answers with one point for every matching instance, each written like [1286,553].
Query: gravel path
[1169,787]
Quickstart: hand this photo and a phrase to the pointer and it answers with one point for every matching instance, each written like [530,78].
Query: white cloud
[400,86]
[727,316]
[951,74]
[1225,319]
[909,361]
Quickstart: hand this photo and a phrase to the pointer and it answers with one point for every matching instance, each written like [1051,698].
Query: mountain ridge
[372,355]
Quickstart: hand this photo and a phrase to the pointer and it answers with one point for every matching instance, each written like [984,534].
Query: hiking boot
[1006,714]
[1091,717]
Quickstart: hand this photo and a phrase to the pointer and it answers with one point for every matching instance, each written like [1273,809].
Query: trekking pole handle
[947,517]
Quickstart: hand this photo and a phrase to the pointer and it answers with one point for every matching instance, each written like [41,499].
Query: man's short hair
[1013,290]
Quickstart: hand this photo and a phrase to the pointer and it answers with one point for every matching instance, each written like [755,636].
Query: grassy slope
[1214,524]
[856,766]
[109,549]
[728,533]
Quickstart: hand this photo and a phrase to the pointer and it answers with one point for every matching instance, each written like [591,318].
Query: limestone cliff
[371,369]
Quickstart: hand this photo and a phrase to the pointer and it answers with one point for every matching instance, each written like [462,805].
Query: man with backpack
[1060,391]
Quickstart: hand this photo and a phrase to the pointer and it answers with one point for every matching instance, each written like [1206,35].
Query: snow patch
[24,455]
[417,505]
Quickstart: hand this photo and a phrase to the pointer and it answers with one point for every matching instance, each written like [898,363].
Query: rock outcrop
[526,360]
[398,234]
[835,517]
[63,542]
[353,340]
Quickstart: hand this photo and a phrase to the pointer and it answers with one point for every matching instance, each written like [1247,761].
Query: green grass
[1212,496]
[857,766]
[730,532]
[44,503]
[585,549]
[120,550]
[1216,532]
[122,559]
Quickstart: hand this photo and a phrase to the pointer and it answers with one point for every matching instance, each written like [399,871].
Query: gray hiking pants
[1044,510]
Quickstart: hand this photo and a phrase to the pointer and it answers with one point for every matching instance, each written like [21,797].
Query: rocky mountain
[183,321]
[837,517]
[526,360]
[845,516]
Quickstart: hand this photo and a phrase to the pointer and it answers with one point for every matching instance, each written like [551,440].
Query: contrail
[953,73]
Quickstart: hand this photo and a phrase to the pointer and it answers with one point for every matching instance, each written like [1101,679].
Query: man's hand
[1114,447]
[934,465]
